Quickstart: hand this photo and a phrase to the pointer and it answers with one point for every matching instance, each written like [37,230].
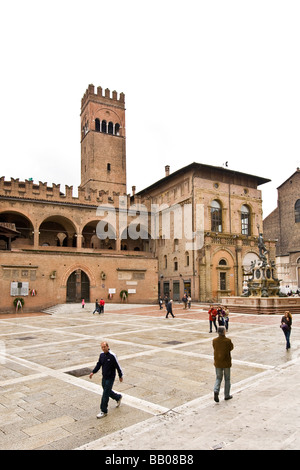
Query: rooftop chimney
[133,190]
[167,170]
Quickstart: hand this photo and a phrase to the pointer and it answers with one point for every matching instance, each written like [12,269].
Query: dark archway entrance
[78,287]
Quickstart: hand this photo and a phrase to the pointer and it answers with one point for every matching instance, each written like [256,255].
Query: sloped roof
[199,167]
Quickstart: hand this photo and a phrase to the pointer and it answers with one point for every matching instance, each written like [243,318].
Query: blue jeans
[108,393]
[287,334]
[219,377]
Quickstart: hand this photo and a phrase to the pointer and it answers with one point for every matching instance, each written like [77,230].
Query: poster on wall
[19,288]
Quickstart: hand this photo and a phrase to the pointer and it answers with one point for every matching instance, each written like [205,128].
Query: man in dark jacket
[169,309]
[109,363]
[222,361]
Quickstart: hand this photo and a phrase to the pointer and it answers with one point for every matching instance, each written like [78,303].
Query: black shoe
[228,398]
[216,397]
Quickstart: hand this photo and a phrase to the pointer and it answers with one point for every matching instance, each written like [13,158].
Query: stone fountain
[263,281]
[263,294]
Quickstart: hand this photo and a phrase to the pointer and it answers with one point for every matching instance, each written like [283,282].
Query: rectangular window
[297,211]
[245,224]
[222,281]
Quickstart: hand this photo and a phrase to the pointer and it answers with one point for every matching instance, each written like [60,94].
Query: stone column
[239,268]
[208,278]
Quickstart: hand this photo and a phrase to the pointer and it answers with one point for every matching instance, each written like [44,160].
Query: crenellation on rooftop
[27,189]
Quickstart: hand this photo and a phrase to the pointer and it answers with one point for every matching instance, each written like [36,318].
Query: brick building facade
[193,231]
[283,224]
[210,235]
[57,248]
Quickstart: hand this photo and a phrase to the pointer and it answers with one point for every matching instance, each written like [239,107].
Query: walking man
[97,307]
[169,309]
[222,361]
[109,363]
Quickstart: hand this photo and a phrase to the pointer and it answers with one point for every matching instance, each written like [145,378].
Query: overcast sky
[204,81]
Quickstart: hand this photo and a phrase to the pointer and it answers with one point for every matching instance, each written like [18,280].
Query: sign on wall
[19,288]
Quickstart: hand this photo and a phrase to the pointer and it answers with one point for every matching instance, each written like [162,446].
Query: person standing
[82,303]
[220,315]
[169,309]
[110,365]
[212,312]
[184,300]
[286,326]
[222,361]
[226,317]
[102,303]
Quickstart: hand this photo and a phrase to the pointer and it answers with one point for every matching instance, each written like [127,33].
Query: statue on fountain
[263,281]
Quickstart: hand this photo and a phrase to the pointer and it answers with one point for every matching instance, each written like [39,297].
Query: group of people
[99,306]
[110,367]
[186,299]
[218,314]
[168,304]
[222,347]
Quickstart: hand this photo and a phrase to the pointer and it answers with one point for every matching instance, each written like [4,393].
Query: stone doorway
[78,287]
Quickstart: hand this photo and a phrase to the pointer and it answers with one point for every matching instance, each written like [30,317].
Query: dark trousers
[211,322]
[170,313]
[287,334]
[107,385]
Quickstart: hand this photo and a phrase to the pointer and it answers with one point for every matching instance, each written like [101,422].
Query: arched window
[297,211]
[110,128]
[103,126]
[97,125]
[117,129]
[245,220]
[222,262]
[216,216]
[175,264]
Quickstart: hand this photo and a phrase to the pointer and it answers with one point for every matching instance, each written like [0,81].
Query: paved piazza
[47,400]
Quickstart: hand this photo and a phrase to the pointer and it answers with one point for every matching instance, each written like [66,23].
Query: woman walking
[286,326]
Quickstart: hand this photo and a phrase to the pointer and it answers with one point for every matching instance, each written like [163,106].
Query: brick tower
[103,144]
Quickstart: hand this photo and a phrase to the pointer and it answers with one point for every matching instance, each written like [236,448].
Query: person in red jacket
[212,312]
[102,303]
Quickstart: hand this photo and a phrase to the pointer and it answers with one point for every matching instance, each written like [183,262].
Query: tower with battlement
[103,142]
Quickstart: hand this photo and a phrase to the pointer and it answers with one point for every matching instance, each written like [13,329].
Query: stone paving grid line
[40,371]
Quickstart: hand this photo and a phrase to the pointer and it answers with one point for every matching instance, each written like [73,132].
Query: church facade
[283,225]
[193,231]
